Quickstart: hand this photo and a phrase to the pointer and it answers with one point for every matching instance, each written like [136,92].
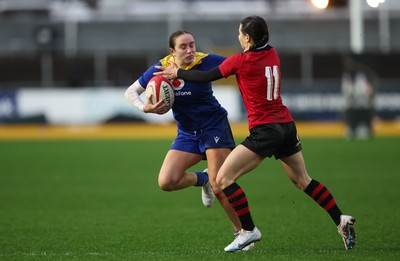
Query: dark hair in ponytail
[257,29]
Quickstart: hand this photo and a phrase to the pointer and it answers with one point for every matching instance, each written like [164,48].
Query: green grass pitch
[99,200]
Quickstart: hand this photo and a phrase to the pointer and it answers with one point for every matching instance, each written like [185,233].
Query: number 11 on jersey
[272,75]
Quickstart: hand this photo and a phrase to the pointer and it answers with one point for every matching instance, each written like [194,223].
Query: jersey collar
[199,56]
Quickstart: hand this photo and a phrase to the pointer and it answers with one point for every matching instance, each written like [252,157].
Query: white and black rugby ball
[160,87]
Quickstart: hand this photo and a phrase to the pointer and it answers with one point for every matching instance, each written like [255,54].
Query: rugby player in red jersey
[272,130]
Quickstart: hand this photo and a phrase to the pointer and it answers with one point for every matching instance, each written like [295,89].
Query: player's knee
[168,181]
[216,189]
[222,181]
[166,186]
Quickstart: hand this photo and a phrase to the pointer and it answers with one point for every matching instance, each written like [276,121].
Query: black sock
[238,200]
[323,197]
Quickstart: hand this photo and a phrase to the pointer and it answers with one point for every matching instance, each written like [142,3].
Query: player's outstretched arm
[173,72]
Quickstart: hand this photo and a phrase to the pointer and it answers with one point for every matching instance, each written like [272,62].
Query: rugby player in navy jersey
[271,126]
[203,128]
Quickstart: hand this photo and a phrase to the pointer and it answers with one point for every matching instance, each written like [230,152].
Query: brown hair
[174,35]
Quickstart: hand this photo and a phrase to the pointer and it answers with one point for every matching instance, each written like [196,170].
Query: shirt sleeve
[230,66]
[147,75]
[132,95]
[216,59]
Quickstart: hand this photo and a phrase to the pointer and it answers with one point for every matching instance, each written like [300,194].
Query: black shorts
[275,139]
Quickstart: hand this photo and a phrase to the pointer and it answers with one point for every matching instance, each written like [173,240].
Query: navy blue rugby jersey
[195,105]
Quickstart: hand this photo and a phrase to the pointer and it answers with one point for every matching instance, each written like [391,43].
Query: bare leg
[240,161]
[216,158]
[295,169]
[173,175]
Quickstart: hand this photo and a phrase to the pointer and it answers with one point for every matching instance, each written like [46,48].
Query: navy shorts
[216,136]
[275,139]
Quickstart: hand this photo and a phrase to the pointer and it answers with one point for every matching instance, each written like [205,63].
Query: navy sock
[202,178]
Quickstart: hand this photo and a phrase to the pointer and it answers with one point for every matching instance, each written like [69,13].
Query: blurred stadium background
[68,62]
[64,68]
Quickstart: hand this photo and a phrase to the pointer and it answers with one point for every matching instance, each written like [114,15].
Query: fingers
[160,107]
[159,67]
[150,99]
[173,64]
[169,72]
[162,70]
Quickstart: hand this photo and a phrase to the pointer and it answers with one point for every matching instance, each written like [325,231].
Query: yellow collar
[197,60]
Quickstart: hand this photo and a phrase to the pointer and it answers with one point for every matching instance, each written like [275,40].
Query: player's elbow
[126,94]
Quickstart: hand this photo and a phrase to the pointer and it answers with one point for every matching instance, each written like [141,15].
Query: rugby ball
[160,87]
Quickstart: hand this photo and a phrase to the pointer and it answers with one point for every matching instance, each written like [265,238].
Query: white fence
[99,105]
